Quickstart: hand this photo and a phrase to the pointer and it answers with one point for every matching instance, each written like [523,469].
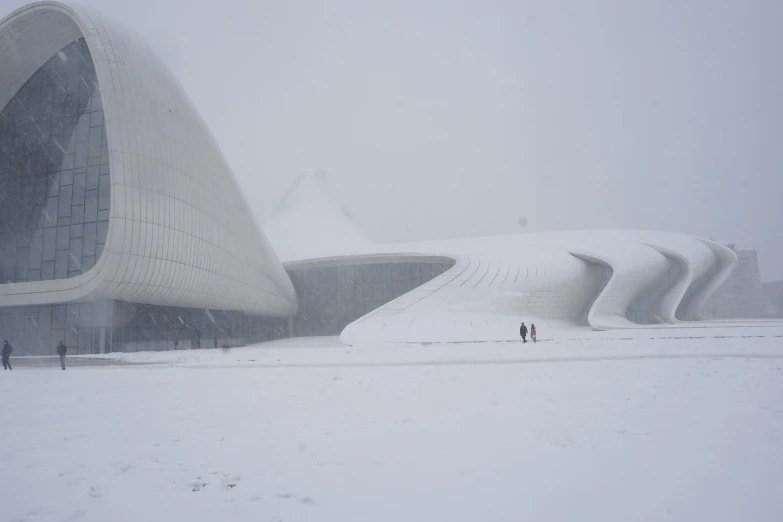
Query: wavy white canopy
[180,233]
[557,280]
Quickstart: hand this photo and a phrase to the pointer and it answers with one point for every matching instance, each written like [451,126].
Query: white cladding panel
[180,231]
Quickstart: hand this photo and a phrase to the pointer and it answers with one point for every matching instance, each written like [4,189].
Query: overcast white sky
[449,118]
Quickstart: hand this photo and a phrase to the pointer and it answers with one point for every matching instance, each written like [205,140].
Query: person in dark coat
[7,349]
[61,351]
[523,332]
[533,331]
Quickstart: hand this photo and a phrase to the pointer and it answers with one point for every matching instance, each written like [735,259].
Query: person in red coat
[533,332]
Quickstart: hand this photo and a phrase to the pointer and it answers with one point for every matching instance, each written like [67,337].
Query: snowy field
[598,429]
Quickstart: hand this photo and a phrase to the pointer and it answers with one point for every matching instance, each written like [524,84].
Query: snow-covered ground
[597,429]
[579,344]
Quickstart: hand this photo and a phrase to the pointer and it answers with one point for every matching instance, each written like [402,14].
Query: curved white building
[123,228]
[480,288]
[173,225]
[121,225]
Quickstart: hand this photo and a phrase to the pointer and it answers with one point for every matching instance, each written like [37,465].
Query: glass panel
[47,270]
[75,255]
[94,145]
[91,206]
[34,261]
[103,194]
[92,178]
[42,141]
[89,239]
[79,186]
[77,230]
[63,237]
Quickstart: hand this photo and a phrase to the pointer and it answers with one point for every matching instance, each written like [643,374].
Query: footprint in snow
[33,513]
[304,500]
[121,469]
[76,515]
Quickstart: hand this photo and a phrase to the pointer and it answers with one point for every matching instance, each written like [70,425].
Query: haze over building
[123,228]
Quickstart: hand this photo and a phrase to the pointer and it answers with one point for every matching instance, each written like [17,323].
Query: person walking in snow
[7,349]
[61,351]
[533,331]
[523,332]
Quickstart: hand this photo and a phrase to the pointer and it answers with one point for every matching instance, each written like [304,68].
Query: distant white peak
[312,190]
[311,221]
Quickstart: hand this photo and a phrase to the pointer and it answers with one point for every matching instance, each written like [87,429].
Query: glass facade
[36,330]
[332,297]
[54,172]
[140,327]
[104,326]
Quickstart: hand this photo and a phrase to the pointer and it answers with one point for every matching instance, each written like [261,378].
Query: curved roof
[180,232]
[561,279]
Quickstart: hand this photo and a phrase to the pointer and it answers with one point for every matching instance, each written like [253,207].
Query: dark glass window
[53,171]
[331,298]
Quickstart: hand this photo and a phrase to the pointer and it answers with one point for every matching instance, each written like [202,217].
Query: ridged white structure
[559,280]
[180,233]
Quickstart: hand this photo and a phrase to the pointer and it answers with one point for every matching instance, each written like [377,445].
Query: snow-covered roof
[552,276]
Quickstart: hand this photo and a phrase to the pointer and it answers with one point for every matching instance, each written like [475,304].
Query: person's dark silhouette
[7,349]
[61,351]
[523,332]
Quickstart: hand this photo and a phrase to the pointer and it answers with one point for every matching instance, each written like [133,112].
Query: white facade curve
[672,296]
[641,262]
[694,261]
[711,279]
[634,269]
[561,281]
[179,230]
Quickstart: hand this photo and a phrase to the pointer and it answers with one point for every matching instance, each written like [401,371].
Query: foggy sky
[451,118]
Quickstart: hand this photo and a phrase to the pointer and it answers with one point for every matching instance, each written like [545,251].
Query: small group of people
[8,349]
[523,332]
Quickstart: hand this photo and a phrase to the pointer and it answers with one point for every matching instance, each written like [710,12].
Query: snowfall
[604,428]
